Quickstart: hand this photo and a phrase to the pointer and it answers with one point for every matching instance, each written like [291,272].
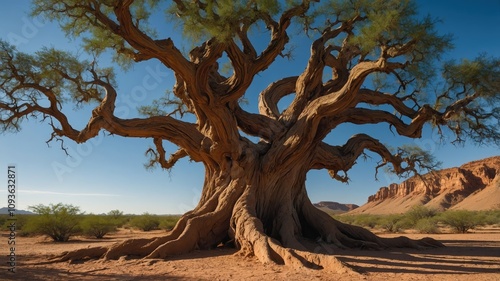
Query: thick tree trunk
[264,213]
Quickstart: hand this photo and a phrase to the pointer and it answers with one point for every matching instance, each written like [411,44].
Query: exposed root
[405,242]
[299,235]
[305,259]
[350,236]
[80,254]
[203,228]
[251,238]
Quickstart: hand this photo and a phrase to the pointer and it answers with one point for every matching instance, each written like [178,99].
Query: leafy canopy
[370,62]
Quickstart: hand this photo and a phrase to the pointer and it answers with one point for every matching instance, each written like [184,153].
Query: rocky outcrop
[335,206]
[440,189]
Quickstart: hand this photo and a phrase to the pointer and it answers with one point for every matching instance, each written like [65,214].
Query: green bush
[145,222]
[391,223]
[349,219]
[168,222]
[417,213]
[3,221]
[427,226]
[20,221]
[363,220]
[423,220]
[462,220]
[98,226]
[115,214]
[59,221]
[118,218]
[366,220]
[492,217]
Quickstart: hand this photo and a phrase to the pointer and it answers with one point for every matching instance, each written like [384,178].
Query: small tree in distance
[145,222]
[370,63]
[117,217]
[97,225]
[115,214]
[59,221]
[462,220]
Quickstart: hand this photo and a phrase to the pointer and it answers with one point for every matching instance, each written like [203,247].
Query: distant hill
[472,186]
[334,207]
[5,211]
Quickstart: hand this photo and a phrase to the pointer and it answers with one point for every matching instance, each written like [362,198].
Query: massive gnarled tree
[370,62]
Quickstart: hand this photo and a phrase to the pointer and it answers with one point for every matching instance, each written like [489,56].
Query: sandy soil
[472,256]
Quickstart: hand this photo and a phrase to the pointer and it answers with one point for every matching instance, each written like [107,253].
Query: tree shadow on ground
[40,269]
[460,257]
[456,258]
[44,274]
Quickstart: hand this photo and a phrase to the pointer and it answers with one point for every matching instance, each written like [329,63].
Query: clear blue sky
[107,173]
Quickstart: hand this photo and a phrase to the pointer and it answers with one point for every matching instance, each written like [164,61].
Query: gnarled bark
[254,192]
[264,214]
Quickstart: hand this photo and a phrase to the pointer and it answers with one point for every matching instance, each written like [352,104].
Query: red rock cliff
[454,183]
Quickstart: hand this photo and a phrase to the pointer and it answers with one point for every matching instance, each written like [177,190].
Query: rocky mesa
[473,186]
[335,207]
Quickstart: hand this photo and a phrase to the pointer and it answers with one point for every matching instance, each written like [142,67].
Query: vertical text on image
[12,184]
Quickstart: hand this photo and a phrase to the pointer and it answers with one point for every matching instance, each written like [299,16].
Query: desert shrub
[492,217]
[405,223]
[59,221]
[417,213]
[145,222]
[168,222]
[118,218]
[366,220]
[427,226]
[462,220]
[3,220]
[98,226]
[20,221]
[115,214]
[345,218]
[391,223]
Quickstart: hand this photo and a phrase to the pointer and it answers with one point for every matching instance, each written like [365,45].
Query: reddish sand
[467,257]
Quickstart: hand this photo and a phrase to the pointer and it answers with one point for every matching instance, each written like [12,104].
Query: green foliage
[3,220]
[418,213]
[468,78]
[462,220]
[492,217]
[97,37]
[424,220]
[62,72]
[115,214]
[145,222]
[417,159]
[387,21]
[21,221]
[166,105]
[57,221]
[427,226]
[364,220]
[419,218]
[97,225]
[168,222]
[220,19]
[391,223]
[118,218]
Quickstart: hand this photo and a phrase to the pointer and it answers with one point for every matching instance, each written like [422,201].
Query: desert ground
[472,256]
